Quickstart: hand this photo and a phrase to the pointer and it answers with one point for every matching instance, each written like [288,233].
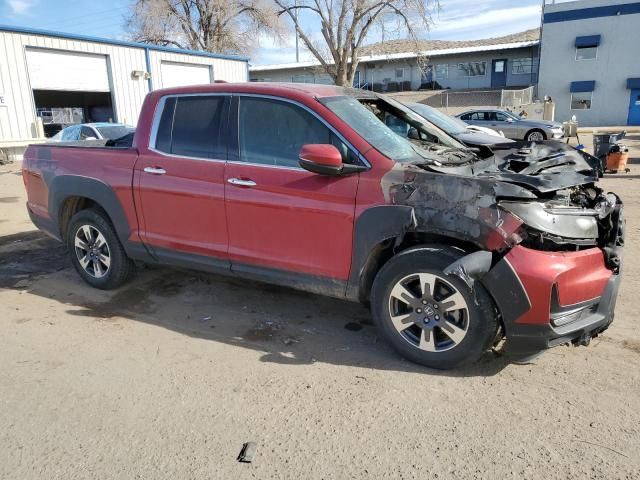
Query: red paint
[326,155]
[579,276]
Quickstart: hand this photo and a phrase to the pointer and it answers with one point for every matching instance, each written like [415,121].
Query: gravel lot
[168,377]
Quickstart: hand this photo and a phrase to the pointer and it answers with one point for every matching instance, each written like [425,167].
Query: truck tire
[96,251]
[429,317]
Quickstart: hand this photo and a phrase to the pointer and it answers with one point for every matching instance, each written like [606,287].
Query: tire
[443,346]
[96,252]
[534,135]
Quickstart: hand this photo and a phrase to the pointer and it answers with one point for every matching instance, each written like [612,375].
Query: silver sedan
[513,126]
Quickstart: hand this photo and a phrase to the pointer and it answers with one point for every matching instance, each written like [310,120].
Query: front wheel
[96,252]
[429,317]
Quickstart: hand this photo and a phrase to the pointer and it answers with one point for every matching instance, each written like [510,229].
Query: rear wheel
[428,316]
[535,135]
[96,252]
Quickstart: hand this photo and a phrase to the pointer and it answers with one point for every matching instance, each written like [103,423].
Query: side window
[272,132]
[479,116]
[192,126]
[501,117]
[466,116]
[86,132]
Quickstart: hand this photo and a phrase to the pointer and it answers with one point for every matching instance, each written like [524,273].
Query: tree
[220,26]
[346,24]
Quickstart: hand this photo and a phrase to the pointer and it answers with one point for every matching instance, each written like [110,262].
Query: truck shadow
[286,326]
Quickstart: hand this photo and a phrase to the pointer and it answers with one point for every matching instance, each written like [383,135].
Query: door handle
[155,170]
[242,183]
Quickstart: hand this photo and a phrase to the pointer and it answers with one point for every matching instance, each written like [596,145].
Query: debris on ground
[247,453]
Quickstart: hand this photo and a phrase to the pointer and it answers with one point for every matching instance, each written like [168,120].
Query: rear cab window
[193,126]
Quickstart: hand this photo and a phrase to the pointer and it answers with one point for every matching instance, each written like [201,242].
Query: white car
[92,131]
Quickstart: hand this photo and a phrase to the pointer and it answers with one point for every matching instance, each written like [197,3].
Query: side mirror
[509,120]
[90,138]
[414,134]
[322,158]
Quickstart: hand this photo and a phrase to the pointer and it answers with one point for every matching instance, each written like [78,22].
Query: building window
[302,78]
[586,53]
[523,66]
[399,73]
[581,100]
[472,69]
[442,71]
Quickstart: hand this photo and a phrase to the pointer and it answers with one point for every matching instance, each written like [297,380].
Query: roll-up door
[67,71]
[180,74]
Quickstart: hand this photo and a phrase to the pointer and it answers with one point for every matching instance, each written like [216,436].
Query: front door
[634,108]
[499,73]
[282,218]
[180,181]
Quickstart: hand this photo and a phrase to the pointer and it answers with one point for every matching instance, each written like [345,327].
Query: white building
[590,61]
[81,79]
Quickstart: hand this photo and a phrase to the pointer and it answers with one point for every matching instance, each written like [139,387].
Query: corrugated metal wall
[17,119]
[228,70]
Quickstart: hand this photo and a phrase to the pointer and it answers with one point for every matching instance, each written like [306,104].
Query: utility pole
[295,4]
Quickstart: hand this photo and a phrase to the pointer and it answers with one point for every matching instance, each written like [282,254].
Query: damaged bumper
[549,298]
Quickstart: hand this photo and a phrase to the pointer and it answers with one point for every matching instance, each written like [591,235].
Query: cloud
[488,19]
[20,7]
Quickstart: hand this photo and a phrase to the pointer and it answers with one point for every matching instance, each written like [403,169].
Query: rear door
[180,180]
[281,217]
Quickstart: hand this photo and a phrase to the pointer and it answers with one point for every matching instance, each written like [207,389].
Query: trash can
[617,159]
[603,143]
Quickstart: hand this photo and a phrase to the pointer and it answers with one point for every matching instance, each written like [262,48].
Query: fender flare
[372,227]
[65,186]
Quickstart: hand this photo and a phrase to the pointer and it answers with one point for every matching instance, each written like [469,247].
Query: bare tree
[221,26]
[346,24]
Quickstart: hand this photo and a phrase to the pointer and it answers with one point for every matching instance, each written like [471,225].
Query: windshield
[369,127]
[451,125]
[114,131]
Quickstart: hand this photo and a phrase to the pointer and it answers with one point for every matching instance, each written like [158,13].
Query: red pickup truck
[350,194]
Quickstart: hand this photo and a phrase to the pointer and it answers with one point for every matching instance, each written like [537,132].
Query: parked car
[304,186]
[514,126]
[92,131]
[456,127]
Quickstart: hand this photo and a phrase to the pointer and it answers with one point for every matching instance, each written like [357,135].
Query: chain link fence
[454,102]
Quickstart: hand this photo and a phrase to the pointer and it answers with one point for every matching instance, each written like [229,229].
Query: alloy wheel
[535,137]
[429,312]
[92,251]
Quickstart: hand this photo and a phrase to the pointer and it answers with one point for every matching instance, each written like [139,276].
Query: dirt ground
[168,377]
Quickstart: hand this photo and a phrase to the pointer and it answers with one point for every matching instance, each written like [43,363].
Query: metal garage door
[178,74]
[61,70]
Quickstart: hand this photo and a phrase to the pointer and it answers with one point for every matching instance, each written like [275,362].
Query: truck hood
[539,167]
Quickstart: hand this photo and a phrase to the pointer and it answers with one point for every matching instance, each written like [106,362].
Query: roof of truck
[264,88]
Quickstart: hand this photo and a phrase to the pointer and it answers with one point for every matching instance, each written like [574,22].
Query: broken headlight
[557,220]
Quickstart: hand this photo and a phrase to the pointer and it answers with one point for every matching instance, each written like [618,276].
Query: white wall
[17,119]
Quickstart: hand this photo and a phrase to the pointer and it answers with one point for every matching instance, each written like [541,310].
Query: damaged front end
[547,245]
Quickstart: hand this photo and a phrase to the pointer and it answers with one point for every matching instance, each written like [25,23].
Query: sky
[456,20]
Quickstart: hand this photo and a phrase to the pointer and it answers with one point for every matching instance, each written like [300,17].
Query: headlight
[568,222]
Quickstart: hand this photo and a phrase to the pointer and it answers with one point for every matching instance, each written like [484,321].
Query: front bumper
[550,298]
[556,135]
